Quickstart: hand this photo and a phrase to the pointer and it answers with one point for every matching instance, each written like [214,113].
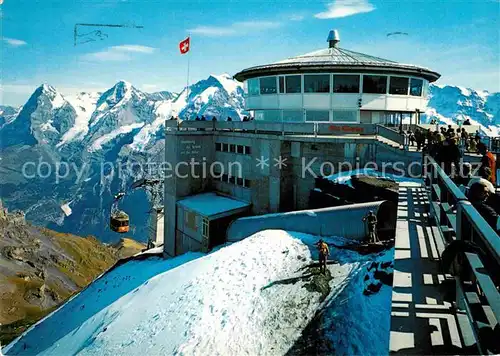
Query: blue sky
[459,39]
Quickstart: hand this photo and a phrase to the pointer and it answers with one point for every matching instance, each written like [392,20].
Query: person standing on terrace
[487,161]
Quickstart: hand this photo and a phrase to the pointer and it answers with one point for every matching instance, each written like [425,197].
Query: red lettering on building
[345,128]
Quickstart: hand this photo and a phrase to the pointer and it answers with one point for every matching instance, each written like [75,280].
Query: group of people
[443,136]
[478,186]
[466,122]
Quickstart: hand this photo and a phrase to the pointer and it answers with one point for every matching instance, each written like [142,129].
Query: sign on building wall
[190,148]
[345,128]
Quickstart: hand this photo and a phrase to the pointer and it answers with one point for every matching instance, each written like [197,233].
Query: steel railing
[478,282]
[291,128]
[280,128]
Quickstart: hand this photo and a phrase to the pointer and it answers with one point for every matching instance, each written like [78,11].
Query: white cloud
[14,42]
[344,8]
[133,48]
[106,55]
[212,31]
[236,28]
[118,53]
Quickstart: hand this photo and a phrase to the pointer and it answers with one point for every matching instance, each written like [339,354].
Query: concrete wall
[272,189]
[182,180]
[320,222]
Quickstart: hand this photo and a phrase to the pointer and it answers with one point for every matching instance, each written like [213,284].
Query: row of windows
[233,148]
[347,116]
[320,83]
[242,182]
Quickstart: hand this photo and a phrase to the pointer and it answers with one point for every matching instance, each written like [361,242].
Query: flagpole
[189,57]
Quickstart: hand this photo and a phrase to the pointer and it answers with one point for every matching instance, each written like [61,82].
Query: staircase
[390,143]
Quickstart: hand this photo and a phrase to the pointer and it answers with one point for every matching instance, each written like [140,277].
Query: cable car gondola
[119,222]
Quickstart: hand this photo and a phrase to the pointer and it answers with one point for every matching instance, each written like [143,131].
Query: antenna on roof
[333,39]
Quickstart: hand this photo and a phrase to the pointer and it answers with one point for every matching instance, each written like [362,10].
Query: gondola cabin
[119,222]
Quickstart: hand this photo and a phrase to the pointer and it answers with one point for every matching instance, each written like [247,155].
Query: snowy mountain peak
[120,92]
[54,97]
[123,84]
[47,88]
[227,82]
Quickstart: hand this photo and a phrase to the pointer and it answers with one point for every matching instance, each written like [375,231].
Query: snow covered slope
[255,297]
[84,105]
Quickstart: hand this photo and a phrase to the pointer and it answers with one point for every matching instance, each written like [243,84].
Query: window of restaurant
[282,84]
[345,116]
[426,88]
[398,86]
[416,87]
[374,84]
[272,115]
[268,85]
[345,83]
[293,84]
[317,83]
[293,115]
[253,86]
[317,115]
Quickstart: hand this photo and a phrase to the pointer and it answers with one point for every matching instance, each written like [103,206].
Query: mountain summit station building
[321,109]
[336,85]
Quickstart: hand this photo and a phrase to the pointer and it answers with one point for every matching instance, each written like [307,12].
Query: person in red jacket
[488,161]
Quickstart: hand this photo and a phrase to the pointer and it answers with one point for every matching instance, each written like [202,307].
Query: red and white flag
[184,46]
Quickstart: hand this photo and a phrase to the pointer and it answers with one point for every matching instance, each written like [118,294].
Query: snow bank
[345,177]
[249,298]
[209,204]
[357,324]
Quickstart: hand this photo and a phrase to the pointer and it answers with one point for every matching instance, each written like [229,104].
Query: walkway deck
[422,322]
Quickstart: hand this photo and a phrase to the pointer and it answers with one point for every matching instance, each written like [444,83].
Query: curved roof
[336,59]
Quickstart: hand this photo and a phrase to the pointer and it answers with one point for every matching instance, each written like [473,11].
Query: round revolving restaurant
[337,85]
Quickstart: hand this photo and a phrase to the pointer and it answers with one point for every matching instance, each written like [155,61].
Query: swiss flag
[184,46]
